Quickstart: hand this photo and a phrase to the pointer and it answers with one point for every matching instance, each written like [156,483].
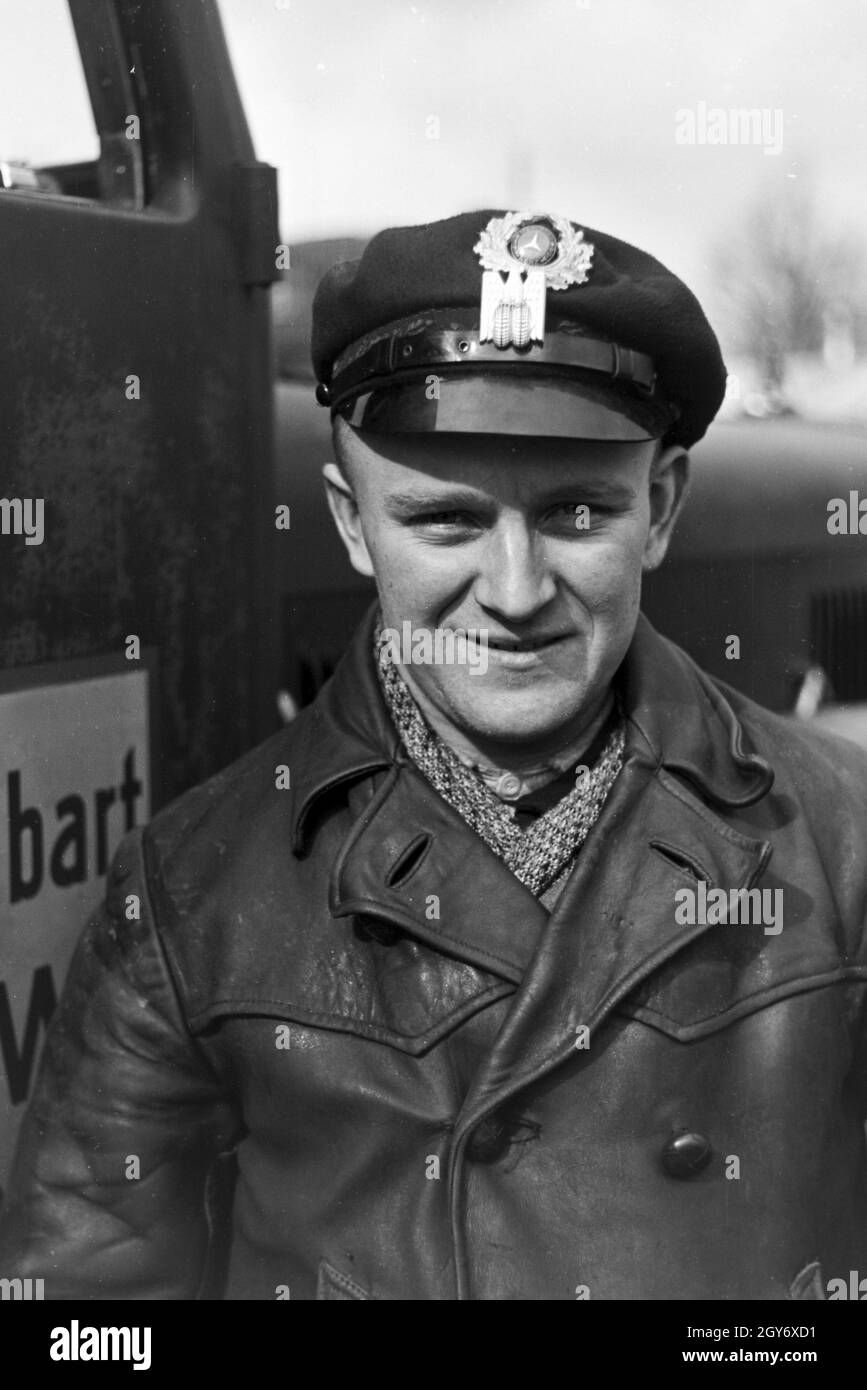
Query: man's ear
[669,476]
[344,509]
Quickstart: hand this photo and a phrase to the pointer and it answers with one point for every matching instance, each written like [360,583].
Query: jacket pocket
[362,977]
[333,1284]
[688,1003]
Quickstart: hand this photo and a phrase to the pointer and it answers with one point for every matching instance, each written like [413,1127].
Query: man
[529,962]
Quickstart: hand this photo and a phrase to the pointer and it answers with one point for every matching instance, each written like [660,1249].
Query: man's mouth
[525,644]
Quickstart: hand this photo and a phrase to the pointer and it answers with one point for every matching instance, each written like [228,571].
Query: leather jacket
[357,1059]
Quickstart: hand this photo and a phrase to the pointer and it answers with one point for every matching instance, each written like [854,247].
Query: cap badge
[535,252]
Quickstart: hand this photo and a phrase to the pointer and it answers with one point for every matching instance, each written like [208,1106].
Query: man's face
[491,533]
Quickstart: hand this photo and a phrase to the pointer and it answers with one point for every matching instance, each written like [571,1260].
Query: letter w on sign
[19,1065]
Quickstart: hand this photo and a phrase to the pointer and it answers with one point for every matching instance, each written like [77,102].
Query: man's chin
[517,717]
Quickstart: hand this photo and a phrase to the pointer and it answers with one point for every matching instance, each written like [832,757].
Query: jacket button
[686,1155]
[488,1140]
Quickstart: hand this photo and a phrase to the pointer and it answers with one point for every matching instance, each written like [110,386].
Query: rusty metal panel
[157,495]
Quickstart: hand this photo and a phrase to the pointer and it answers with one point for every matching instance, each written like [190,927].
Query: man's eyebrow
[589,489]
[453,499]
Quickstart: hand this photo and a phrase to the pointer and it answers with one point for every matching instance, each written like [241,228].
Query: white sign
[74,777]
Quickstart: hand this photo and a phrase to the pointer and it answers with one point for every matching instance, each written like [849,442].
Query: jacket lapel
[613,925]
[413,861]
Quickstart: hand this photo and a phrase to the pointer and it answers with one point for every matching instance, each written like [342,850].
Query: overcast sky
[562,105]
[552,104]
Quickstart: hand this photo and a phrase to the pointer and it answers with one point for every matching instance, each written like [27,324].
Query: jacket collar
[677,719]
[350,735]
[686,724]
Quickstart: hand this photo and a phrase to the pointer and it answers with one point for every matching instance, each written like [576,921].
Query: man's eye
[576,516]
[444,520]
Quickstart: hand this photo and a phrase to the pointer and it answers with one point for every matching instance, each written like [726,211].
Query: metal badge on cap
[535,252]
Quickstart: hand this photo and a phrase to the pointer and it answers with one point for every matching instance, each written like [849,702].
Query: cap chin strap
[411,346]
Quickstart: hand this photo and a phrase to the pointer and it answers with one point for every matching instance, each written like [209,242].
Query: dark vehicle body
[753,557]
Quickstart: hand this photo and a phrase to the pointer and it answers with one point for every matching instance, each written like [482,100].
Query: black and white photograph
[433,666]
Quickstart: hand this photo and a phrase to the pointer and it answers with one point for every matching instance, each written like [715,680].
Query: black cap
[514,323]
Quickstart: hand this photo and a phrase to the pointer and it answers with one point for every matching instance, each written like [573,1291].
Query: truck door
[136,632]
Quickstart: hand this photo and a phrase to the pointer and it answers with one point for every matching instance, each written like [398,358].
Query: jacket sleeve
[121,1079]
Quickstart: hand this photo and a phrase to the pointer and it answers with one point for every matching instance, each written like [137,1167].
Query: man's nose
[514,580]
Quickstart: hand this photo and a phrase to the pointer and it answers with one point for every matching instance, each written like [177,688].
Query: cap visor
[505,403]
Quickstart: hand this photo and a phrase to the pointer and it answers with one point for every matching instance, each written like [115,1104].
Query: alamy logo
[438,647]
[25,1289]
[717,125]
[76,1343]
[740,906]
[23,516]
[847,518]
[856,1289]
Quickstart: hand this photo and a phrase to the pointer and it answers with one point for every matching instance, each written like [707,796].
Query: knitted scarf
[536,855]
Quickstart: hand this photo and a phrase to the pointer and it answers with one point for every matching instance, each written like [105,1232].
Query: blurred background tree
[787,284]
